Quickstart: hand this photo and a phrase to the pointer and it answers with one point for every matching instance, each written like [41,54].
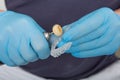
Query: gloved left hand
[21,39]
[96,34]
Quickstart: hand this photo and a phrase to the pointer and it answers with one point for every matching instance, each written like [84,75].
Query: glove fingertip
[45,54]
[74,55]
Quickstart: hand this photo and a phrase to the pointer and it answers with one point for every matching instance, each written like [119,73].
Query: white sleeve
[2,5]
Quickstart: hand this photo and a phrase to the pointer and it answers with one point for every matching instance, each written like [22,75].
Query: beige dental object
[57,30]
[54,38]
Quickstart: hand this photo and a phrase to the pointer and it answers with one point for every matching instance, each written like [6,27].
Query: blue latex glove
[96,34]
[21,39]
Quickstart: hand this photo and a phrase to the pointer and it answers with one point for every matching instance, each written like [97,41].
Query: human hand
[21,39]
[117,11]
[1,10]
[96,34]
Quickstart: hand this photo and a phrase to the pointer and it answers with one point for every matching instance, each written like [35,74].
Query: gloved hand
[21,39]
[96,34]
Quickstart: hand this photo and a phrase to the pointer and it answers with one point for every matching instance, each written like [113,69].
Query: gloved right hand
[21,39]
[96,34]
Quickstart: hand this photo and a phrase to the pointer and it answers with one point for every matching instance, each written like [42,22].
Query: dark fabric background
[49,12]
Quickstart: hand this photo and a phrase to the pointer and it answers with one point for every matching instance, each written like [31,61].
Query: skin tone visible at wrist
[1,10]
[117,11]
[117,54]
